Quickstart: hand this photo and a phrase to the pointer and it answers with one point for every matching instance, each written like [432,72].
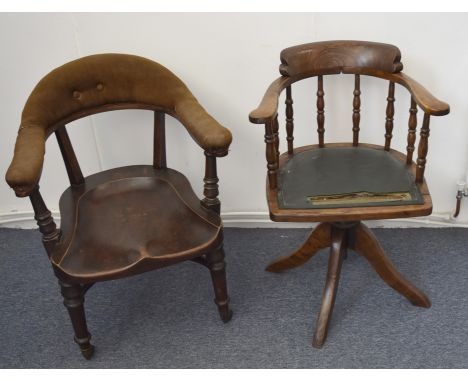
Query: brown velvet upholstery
[81,86]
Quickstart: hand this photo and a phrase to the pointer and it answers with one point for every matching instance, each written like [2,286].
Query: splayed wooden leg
[366,245]
[337,252]
[318,239]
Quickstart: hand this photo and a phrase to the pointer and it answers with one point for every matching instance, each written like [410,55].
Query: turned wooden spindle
[69,158]
[320,111]
[422,149]
[356,109]
[390,112]
[270,153]
[159,147]
[211,188]
[289,120]
[276,136]
[412,123]
[44,219]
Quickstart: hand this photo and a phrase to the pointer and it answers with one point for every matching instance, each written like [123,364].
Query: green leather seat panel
[345,177]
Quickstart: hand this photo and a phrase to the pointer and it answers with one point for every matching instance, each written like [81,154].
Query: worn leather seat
[332,177]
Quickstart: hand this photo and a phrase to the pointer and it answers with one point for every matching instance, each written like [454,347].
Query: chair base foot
[88,352]
[339,237]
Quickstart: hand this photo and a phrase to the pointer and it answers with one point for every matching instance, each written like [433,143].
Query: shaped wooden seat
[341,184]
[128,220]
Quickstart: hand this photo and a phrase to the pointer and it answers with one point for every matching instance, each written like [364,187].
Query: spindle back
[359,58]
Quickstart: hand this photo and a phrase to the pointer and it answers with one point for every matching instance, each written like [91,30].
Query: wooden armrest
[202,127]
[268,107]
[425,100]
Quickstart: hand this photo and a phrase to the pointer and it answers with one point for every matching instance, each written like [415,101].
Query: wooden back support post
[289,121]
[159,147]
[69,158]
[320,111]
[412,123]
[356,109]
[390,112]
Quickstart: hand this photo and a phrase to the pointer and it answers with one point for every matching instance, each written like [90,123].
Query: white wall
[227,60]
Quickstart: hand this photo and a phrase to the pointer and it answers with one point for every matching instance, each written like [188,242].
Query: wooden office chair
[127,220]
[341,184]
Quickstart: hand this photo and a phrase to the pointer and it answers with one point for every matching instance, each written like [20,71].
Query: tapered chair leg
[318,239]
[73,299]
[366,245]
[337,253]
[217,267]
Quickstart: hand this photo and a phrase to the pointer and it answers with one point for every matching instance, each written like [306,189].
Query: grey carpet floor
[167,318]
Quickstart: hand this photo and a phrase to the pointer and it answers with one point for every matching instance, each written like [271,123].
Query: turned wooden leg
[366,245]
[73,299]
[318,239]
[217,266]
[337,252]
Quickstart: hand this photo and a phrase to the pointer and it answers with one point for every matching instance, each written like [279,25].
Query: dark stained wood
[73,299]
[211,188]
[102,238]
[337,253]
[71,163]
[341,227]
[289,120]
[422,149]
[367,245]
[217,266]
[129,220]
[412,123]
[356,109]
[276,137]
[390,112]
[319,238]
[159,148]
[320,111]
[271,154]
[45,221]
[334,56]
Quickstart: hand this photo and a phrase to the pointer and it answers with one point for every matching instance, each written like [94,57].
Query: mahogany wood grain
[422,149]
[211,188]
[45,221]
[217,267]
[319,238]
[356,109]
[271,154]
[367,245]
[159,150]
[69,158]
[390,112]
[73,299]
[335,260]
[412,124]
[320,110]
[289,120]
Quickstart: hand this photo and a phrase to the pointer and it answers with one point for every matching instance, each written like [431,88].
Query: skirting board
[25,220]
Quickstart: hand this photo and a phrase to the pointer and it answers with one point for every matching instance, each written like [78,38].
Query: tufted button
[76,94]
[100,87]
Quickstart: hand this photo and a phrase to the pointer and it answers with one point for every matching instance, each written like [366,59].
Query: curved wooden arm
[268,107]
[421,95]
[425,100]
